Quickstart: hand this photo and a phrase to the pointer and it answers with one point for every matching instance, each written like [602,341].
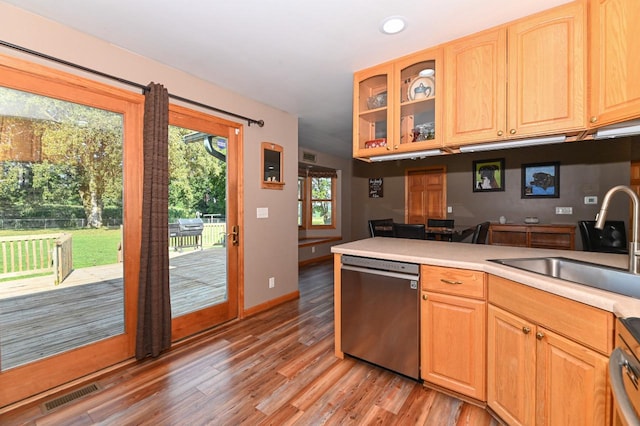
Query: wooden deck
[39,319]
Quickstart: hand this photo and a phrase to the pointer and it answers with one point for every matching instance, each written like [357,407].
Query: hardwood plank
[274,368]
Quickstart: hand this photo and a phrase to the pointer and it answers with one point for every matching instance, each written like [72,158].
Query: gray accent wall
[587,168]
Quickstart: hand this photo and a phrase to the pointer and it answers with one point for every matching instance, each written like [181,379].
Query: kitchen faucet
[634,245]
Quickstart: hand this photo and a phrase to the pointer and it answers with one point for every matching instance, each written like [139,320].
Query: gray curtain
[154,306]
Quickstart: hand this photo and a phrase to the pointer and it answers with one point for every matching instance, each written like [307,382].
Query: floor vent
[71,396]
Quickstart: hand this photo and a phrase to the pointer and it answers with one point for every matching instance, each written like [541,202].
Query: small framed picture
[375,188]
[541,180]
[488,175]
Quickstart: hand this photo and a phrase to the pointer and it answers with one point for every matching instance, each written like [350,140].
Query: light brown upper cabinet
[614,61]
[539,61]
[475,90]
[372,116]
[396,107]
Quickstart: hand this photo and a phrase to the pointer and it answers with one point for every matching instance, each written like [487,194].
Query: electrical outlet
[313,249]
[449,209]
[272,282]
[564,210]
[591,200]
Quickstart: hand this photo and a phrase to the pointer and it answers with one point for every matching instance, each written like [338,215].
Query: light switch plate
[564,210]
[449,209]
[262,212]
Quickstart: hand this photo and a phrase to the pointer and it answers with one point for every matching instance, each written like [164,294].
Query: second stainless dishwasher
[380,313]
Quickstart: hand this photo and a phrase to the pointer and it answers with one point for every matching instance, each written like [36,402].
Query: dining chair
[611,239]
[440,223]
[381,227]
[480,233]
[415,231]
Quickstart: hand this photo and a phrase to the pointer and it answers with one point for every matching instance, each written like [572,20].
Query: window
[321,201]
[301,193]
[317,198]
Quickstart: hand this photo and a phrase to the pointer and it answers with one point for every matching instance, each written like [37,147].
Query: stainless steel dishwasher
[380,313]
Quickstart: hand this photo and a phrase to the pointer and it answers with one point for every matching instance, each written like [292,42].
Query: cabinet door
[615,68]
[372,117]
[418,89]
[475,88]
[547,72]
[571,383]
[511,360]
[453,343]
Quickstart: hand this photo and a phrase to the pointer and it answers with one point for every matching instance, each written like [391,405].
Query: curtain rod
[142,87]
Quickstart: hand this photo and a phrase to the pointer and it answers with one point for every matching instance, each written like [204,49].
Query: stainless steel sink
[603,277]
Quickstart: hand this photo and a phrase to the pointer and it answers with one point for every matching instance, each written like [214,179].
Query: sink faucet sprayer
[634,245]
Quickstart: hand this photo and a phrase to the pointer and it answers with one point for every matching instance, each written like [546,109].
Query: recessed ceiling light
[393,24]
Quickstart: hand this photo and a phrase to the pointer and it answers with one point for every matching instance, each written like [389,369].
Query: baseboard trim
[271,303]
[315,260]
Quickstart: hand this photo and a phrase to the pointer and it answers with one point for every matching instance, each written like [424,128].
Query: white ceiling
[295,55]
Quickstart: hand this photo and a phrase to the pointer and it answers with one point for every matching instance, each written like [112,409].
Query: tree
[197,180]
[79,148]
[90,141]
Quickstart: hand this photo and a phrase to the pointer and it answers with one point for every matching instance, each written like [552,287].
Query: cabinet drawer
[582,323]
[458,282]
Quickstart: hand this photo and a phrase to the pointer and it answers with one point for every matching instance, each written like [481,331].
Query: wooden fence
[63,258]
[33,254]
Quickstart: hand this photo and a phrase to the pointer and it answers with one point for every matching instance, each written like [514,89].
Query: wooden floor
[274,368]
[39,319]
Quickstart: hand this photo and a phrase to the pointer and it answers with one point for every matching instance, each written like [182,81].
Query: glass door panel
[61,209]
[202,214]
[419,91]
[197,220]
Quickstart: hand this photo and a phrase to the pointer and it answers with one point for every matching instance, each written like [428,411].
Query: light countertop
[475,257]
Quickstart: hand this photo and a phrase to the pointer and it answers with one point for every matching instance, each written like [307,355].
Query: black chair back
[440,223]
[611,239]
[480,233]
[416,231]
[381,227]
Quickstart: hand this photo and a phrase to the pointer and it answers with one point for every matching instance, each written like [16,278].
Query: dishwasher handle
[617,363]
[391,274]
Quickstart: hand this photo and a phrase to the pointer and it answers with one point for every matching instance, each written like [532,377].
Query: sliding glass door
[69,189]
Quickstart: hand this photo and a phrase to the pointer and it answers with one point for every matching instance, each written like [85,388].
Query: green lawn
[91,247]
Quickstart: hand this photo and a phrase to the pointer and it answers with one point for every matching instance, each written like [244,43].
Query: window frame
[302,207]
[308,200]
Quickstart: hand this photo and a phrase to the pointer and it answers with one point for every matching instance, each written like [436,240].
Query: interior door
[204,159]
[426,194]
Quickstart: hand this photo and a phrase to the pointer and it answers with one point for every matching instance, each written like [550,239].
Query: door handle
[235,232]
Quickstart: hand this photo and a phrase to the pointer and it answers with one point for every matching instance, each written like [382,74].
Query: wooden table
[457,233]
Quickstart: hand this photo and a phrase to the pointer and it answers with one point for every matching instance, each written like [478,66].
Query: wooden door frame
[440,167]
[191,324]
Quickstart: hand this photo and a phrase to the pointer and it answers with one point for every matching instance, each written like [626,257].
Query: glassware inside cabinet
[372,112]
[417,102]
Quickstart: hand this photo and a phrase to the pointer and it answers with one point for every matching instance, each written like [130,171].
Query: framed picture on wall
[488,175]
[375,188]
[541,180]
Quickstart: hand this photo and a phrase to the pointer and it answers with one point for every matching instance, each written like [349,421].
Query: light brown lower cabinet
[453,332]
[536,375]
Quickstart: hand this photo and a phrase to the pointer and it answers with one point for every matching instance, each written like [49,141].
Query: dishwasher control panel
[381,264]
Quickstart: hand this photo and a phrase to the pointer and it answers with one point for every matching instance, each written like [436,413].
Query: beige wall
[270,244]
[586,169]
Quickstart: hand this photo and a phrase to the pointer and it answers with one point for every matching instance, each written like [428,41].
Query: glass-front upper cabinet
[396,107]
[372,111]
[418,88]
